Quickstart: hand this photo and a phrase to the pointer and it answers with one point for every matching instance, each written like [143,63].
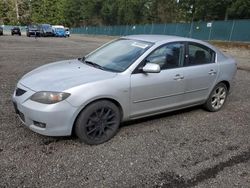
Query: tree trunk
[17,11]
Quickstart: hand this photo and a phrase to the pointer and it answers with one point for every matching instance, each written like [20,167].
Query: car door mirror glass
[151,68]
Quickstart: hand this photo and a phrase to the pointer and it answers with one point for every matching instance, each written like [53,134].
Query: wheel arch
[227,83]
[93,101]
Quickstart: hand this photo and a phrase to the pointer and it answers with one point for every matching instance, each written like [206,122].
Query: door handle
[212,72]
[178,77]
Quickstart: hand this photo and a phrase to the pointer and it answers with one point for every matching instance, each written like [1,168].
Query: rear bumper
[16,32]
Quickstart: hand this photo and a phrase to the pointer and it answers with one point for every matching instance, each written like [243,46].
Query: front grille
[20,92]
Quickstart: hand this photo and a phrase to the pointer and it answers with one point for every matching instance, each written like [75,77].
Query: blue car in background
[59,32]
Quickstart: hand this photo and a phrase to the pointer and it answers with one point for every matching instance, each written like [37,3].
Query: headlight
[48,97]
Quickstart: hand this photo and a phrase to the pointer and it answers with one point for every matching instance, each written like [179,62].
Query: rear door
[200,71]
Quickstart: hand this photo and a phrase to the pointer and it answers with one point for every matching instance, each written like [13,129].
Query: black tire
[217,98]
[98,122]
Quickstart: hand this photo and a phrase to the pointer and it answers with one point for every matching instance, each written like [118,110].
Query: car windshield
[117,56]
[47,27]
[33,27]
[59,29]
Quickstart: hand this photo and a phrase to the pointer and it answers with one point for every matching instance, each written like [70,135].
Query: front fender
[115,89]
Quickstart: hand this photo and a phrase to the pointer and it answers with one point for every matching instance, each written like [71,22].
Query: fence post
[210,31]
[232,29]
[165,28]
[191,29]
[176,28]
[121,29]
[152,27]
[126,30]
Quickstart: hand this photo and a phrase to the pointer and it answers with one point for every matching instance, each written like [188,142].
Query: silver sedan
[129,78]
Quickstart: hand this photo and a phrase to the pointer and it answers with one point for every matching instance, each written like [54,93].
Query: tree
[109,12]
[205,10]
[163,11]
[48,11]
[7,12]
[76,13]
[239,9]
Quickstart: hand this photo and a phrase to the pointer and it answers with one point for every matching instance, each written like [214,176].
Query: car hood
[63,75]
[32,29]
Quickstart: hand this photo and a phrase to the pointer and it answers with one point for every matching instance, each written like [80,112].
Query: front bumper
[60,35]
[58,118]
[48,34]
[33,33]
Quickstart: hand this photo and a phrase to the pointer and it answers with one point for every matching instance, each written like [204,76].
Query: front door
[154,92]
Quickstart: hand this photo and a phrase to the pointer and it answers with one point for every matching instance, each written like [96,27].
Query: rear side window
[199,54]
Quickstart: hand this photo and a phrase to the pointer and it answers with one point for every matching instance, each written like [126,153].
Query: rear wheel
[217,98]
[98,122]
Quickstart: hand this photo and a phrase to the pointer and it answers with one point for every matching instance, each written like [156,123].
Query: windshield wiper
[90,63]
[94,64]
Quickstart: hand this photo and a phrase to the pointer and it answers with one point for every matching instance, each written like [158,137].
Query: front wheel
[217,98]
[98,122]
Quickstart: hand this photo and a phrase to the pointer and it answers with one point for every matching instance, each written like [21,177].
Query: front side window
[168,56]
[118,55]
[199,54]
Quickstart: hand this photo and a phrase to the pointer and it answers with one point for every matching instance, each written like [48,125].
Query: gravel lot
[188,148]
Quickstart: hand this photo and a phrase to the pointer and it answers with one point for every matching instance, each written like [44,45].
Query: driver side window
[168,56]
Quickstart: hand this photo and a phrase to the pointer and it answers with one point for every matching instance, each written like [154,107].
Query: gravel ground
[187,148]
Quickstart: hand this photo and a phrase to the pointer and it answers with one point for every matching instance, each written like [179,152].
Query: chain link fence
[231,30]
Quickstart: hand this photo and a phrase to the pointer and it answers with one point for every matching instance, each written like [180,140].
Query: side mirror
[151,68]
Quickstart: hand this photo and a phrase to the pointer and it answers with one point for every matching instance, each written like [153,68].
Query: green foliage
[112,12]
[240,9]
[205,10]
[7,15]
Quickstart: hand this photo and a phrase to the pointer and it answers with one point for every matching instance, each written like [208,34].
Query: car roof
[164,39]
[154,38]
[161,39]
[58,26]
[167,38]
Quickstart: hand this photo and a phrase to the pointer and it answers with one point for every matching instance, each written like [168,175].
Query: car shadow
[159,116]
[73,137]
